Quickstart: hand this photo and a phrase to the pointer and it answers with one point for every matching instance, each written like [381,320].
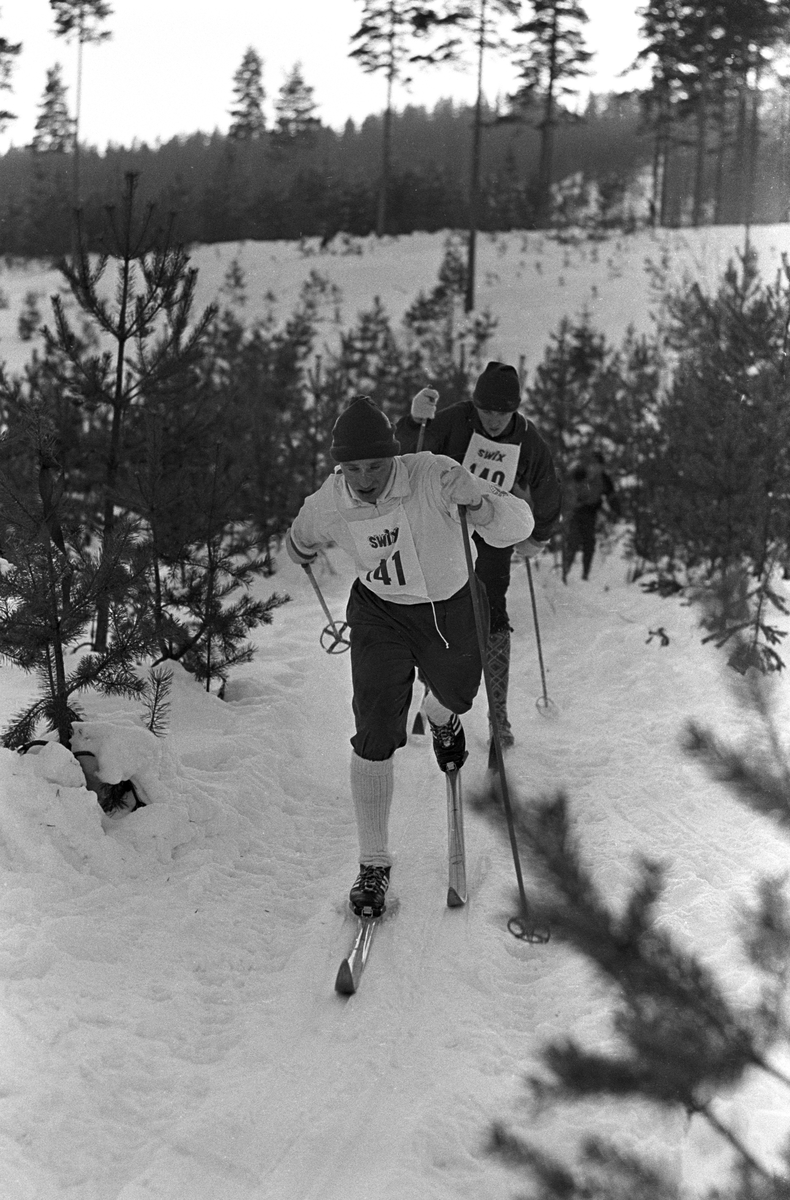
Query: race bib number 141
[387,559]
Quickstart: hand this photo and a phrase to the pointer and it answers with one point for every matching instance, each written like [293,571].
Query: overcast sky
[169,66]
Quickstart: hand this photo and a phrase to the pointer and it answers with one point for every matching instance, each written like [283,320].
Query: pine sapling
[48,594]
[148,324]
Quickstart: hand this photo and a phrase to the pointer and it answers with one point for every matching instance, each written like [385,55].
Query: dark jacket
[587,490]
[450,433]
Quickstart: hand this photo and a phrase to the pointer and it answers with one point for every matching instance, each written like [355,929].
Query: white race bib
[497,462]
[387,561]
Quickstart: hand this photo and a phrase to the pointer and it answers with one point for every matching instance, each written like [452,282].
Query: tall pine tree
[81,19]
[149,326]
[296,121]
[54,131]
[554,55]
[476,23]
[247,119]
[384,44]
[50,585]
[8,52]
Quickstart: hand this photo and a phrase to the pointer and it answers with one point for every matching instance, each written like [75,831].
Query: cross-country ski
[351,968]
[456,850]
[350,971]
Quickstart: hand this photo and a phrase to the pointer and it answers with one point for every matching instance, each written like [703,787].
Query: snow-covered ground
[528,281]
[169,1024]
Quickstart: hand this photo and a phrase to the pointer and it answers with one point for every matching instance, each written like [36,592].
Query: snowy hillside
[528,280]
[169,1025]
[170,1028]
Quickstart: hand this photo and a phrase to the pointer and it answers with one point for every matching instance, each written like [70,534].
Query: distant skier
[410,605]
[494,442]
[585,493]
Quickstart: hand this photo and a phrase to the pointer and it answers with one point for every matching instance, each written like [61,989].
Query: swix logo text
[388,538]
[492,455]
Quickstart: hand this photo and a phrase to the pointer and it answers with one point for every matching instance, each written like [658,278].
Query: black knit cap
[362,431]
[498,388]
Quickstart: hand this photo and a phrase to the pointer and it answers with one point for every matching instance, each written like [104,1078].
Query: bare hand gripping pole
[522,926]
[334,638]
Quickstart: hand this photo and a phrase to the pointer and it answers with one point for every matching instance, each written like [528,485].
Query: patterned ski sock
[499,671]
[371,790]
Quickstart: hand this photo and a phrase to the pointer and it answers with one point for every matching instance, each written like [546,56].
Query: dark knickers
[493,568]
[389,642]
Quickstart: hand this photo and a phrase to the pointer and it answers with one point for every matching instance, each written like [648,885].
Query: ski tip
[455,899]
[344,984]
[419,725]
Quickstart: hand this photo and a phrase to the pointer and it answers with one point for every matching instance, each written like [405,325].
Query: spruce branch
[156,697]
[603,1172]
[755,783]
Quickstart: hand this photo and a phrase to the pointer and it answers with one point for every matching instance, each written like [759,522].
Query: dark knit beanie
[362,431]
[498,388]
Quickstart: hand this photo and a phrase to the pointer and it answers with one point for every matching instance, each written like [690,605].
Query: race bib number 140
[496,462]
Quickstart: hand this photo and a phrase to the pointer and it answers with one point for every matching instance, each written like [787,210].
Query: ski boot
[449,744]
[368,894]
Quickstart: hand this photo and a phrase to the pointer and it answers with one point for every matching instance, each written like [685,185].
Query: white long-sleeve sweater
[381,548]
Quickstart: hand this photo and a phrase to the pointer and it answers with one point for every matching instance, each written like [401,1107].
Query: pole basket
[546,707]
[335,638]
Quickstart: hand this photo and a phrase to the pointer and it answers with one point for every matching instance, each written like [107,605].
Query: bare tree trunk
[76,185]
[546,162]
[77,113]
[721,118]
[386,142]
[666,162]
[118,412]
[754,149]
[474,182]
[698,209]
[655,206]
[739,156]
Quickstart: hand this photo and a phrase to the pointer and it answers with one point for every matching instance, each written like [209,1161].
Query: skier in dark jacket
[495,442]
[585,493]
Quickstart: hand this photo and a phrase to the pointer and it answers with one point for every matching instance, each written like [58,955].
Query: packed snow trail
[170,1025]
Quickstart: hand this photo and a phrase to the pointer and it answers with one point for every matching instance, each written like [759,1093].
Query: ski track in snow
[172,1031]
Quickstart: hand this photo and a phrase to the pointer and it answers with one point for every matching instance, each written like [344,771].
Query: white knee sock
[435,711]
[371,791]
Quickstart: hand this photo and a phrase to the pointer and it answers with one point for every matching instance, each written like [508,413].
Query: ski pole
[336,635]
[522,926]
[419,725]
[543,703]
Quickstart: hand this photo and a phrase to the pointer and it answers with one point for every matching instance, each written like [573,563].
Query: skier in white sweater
[410,606]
